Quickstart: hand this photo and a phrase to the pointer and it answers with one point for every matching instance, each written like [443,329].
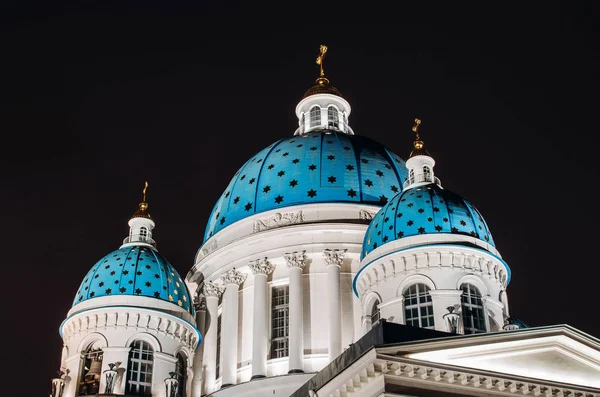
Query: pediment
[565,355]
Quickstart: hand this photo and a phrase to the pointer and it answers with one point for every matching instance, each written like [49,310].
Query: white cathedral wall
[114,329]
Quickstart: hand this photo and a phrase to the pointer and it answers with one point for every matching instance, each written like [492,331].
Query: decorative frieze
[295,259]
[210,247]
[212,289]
[334,257]
[366,214]
[278,220]
[233,276]
[261,266]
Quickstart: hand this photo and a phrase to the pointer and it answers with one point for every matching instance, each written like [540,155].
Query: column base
[295,371]
[257,377]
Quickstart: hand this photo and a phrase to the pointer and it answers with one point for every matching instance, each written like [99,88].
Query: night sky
[96,99]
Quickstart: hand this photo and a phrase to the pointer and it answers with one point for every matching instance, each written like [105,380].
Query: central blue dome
[137,271]
[319,167]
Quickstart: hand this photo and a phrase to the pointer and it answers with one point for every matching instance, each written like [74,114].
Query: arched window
[89,381]
[143,233]
[472,310]
[418,307]
[411,175]
[427,173]
[280,321]
[375,313]
[139,369]
[181,371]
[315,117]
[333,120]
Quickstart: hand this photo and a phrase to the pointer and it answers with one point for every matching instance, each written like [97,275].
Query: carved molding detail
[487,384]
[261,266]
[366,214]
[278,220]
[210,247]
[295,259]
[199,300]
[233,276]
[334,257]
[212,289]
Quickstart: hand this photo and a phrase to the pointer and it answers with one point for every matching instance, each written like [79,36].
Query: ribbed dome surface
[319,167]
[425,210]
[138,271]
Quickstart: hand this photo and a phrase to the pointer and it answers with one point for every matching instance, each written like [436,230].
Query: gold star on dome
[184,298]
[176,292]
[169,280]
[177,284]
[179,302]
[171,298]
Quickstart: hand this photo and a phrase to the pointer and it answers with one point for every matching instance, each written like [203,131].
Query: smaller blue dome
[137,271]
[424,209]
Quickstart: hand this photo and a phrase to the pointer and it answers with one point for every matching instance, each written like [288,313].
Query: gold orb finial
[418,143]
[322,51]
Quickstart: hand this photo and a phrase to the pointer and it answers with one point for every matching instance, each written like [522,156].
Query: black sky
[97,97]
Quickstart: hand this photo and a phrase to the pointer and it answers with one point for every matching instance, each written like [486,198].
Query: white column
[212,292]
[114,355]
[163,364]
[334,259]
[261,268]
[296,262]
[229,326]
[197,376]
[441,300]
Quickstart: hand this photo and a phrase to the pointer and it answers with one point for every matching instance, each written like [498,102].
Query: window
[375,314]
[412,176]
[427,173]
[418,307]
[315,116]
[89,381]
[143,232]
[181,371]
[280,317]
[139,370]
[333,120]
[472,310]
[218,365]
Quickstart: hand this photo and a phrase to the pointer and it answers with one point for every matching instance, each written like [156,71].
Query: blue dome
[138,271]
[424,210]
[319,167]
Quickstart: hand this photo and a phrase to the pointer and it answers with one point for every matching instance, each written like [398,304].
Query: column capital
[233,277]
[261,266]
[212,289]
[295,259]
[334,257]
[199,300]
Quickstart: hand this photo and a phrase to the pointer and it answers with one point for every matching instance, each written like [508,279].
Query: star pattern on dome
[149,274]
[425,210]
[339,168]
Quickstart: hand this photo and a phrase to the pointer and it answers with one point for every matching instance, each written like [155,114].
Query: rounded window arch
[473,314]
[427,173]
[418,306]
[181,371]
[143,232]
[140,368]
[375,313]
[315,117]
[333,118]
[89,379]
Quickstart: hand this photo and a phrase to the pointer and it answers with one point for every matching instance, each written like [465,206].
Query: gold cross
[144,191]
[416,127]
[323,50]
